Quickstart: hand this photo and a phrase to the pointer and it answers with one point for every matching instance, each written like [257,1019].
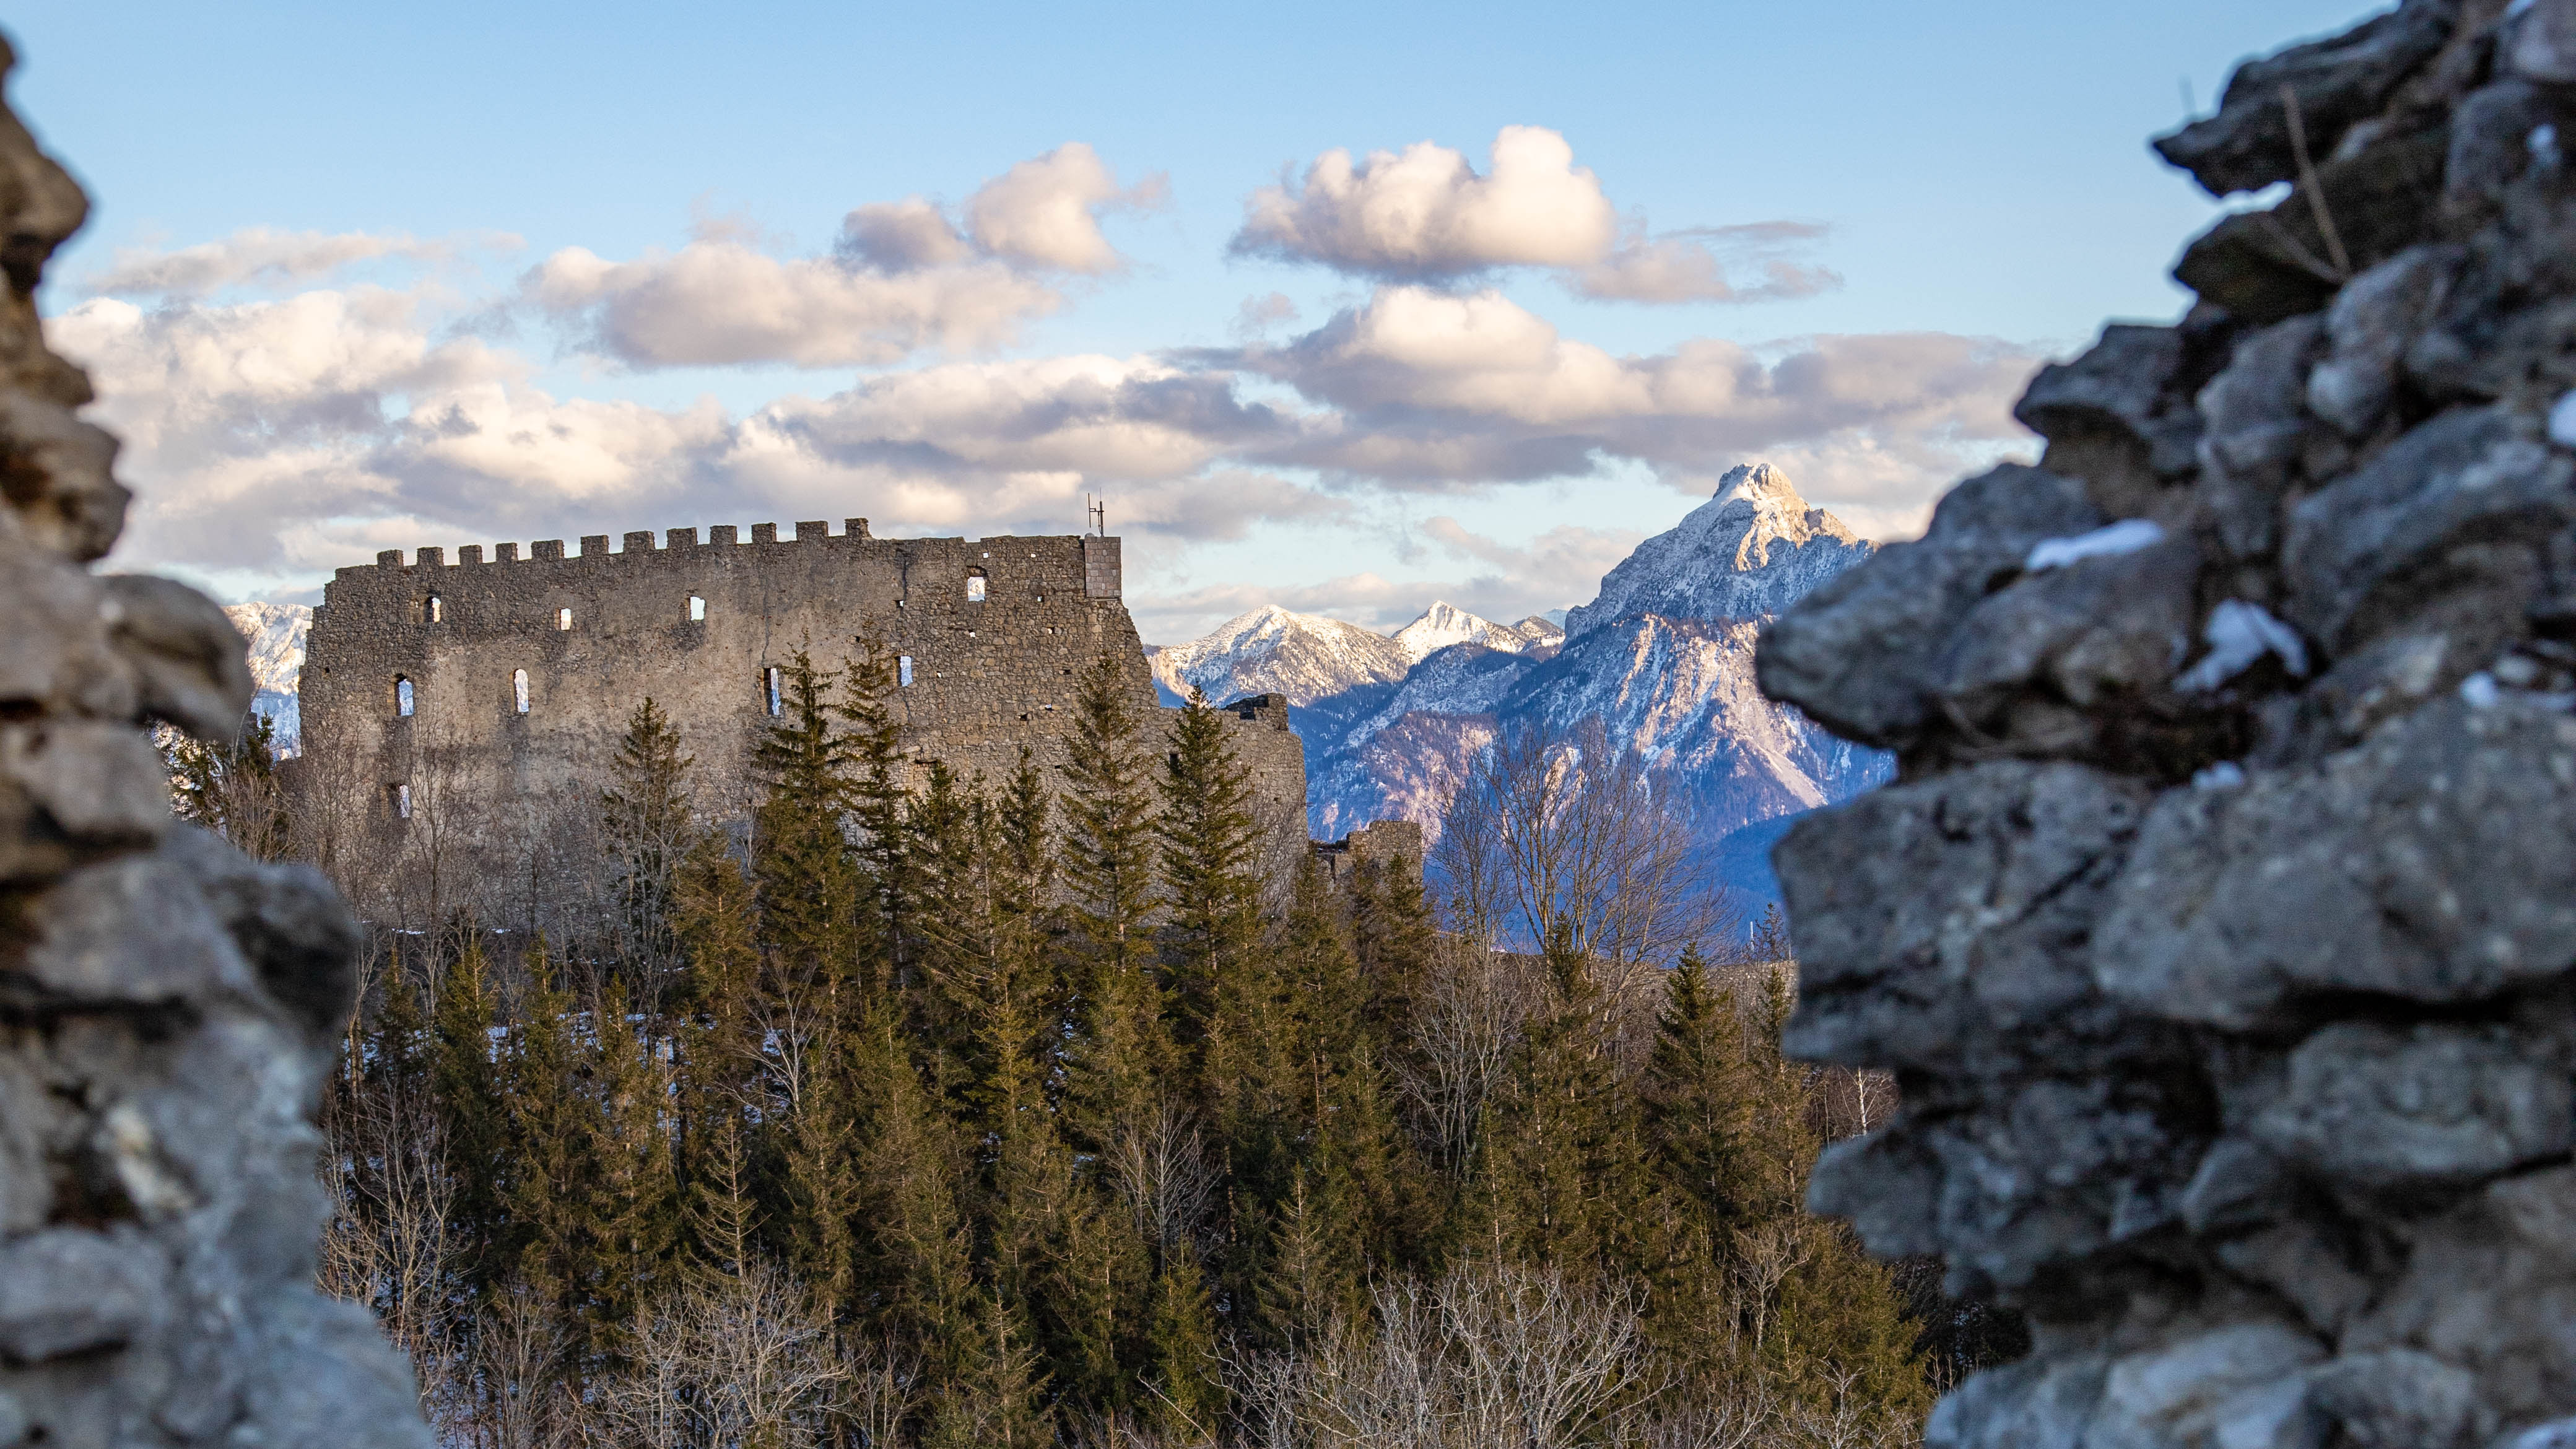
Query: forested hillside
[1021,1112]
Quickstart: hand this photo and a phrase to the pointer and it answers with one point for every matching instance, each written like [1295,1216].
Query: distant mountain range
[276,635]
[1663,656]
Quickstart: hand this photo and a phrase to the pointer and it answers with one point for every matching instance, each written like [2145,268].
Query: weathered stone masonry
[2221,923]
[169,1008]
[519,675]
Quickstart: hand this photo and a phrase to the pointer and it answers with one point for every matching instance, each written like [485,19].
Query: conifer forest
[1043,1110]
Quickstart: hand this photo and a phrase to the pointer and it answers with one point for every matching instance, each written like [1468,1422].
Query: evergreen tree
[551,1143]
[888,889]
[948,833]
[233,789]
[632,1196]
[1393,934]
[919,1276]
[1699,1097]
[1181,1354]
[1208,852]
[465,1083]
[1562,1163]
[808,881]
[716,1050]
[649,832]
[999,1398]
[1120,1056]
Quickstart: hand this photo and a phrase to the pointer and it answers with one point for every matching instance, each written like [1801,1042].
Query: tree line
[946,1111]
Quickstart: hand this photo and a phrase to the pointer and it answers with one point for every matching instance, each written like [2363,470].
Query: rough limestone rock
[2221,921]
[168,1007]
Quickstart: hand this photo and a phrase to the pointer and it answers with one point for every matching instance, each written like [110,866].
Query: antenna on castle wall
[1098,509]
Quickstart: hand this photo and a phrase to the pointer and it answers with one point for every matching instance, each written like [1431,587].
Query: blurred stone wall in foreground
[168,1007]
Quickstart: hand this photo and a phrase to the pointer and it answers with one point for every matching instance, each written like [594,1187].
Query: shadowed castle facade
[477,704]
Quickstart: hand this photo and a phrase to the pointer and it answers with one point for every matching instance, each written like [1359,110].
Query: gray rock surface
[2221,921]
[168,1007]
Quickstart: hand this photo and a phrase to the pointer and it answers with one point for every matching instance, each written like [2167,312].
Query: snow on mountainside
[1663,658]
[1444,624]
[1750,551]
[1272,651]
[275,633]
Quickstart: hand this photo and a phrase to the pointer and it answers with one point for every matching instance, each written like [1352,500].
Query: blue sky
[364,277]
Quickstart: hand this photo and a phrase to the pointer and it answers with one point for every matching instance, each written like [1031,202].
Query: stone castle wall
[523,672]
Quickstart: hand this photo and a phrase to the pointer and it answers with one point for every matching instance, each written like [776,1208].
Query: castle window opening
[432,610]
[903,671]
[563,618]
[402,696]
[519,689]
[975,587]
[769,688]
[402,802]
[697,609]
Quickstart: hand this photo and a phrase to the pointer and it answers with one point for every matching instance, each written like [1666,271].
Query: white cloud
[263,255]
[277,437]
[1692,266]
[719,302]
[1046,212]
[288,436]
[902,278]
[1426,213]
[900,236]
[1434,388]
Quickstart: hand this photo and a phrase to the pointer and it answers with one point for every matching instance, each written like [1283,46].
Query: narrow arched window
[519,689]
[903,671]
[402,802]
[402,696]
[697,609]
[563,618]
[432,611]
[975,586]
[777,701]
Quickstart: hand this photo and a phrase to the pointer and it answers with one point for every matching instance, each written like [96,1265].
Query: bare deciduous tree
[1558,838]
[1491,1357]
[737,1359]
[1473,1004]
[1160,1169]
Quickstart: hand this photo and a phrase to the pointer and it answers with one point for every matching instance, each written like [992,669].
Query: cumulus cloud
[1692,265]
[273,438]
[292,435]
[902,277]
[1046,212]
[262,255]
[718,302]
[1434,389]
[1425,213]
[902,236]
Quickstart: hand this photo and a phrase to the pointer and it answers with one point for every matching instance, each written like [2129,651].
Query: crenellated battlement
[638,545]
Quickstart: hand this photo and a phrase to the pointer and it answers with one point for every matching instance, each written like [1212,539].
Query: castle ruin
[482,701]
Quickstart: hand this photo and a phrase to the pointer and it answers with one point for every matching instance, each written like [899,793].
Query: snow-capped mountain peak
[275,636]
[1274,650]
[1444,624]
[1750,551]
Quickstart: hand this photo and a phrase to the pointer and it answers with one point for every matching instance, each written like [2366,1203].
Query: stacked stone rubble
[168,1007]
[2220,924]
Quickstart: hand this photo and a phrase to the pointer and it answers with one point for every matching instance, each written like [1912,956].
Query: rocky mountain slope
[1663,657]
[276,635]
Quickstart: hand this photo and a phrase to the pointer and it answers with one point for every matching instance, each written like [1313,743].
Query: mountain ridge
[1662,656]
